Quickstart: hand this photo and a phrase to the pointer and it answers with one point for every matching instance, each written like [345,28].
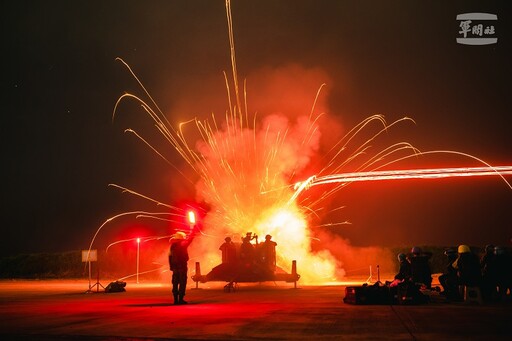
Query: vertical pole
[138,245]
[198,274]
[294,273]
[89,275]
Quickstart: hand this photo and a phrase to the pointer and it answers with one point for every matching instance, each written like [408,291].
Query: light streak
[139,240]
[431,173]
[162,269]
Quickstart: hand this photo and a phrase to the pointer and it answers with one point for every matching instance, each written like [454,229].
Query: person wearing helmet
[247,250]
[467,265]
[402,288]
[416,250]
[268,253]
[178,259]
[404,270]
[420,267]
[448,279]
[503,271]
[487,259]
[489,273]
[228,249]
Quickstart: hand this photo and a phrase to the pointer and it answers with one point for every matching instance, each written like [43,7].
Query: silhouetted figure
[503,262]
[178,259]
[228,249]
[449,280]
[402,289]
[467,265]
[489,273]
[404,271]
[247,252]
[268,253]
[420,267]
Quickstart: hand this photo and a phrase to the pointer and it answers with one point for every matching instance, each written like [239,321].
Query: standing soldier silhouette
[178,259]
[228,249]
[268,248]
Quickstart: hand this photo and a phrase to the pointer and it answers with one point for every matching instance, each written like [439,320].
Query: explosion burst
[247,165]
[245,168]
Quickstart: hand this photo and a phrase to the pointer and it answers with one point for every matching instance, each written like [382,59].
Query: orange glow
[289,229]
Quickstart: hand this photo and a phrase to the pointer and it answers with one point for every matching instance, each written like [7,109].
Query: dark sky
[60,81]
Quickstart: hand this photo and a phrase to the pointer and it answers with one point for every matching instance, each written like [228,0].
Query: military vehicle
[247,262]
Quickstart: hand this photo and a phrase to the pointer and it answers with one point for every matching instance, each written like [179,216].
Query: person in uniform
[178,263]
[268,253]
[420,267]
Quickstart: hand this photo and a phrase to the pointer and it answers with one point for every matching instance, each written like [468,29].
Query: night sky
[60,82]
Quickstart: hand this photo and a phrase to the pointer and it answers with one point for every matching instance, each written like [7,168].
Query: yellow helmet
[179,235]
[463,249]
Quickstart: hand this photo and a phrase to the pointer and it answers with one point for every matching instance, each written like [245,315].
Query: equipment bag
[117,286]
[367,294]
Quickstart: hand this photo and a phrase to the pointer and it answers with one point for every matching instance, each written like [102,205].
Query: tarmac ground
[61,310]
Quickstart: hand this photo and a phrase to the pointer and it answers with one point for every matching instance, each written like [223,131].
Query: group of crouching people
[491,274]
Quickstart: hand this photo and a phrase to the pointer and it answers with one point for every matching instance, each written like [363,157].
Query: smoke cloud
[247,171]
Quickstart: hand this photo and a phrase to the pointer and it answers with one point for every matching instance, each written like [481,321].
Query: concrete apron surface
[61,310]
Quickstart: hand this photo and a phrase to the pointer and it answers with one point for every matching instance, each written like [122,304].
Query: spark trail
[431,173]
